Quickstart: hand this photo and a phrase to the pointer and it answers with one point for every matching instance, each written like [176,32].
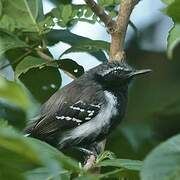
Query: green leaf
[120,174]
[45,174]
[16,155]
[168,2]
[14,115]
[88,13]
[173,39]
[66,13]
[163,163]
[7,23]
[173,11]
[13,93]
[3,123]
[23,13]
[28,63]
[88,46]
[105,155]
[27,157]
[42,83]
[69,14]
[127,164]
[0,8]
[71,67]
[101,2]
[87,177]
[66,36]
[10,41]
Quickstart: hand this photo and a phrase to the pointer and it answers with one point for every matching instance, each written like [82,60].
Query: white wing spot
[60,117]
[91,113]
[97,106]
[77,108]
[76,120]
[68,118]
[87,118]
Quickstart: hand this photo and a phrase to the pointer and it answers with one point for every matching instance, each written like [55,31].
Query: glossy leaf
[173,11]
[173,39]
[88,46]
[163,163]
[66,13]
[71,67]
[42,83]
[25,156]
[10,41]
[66,36]
[123,163]
[28,63]
[168,2]
[120,174]
[22,14]
[16,155]
[14,115]
[13,93]
[0,8]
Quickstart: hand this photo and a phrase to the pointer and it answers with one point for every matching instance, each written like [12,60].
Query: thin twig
[90,162]
[99,11]
[43,55]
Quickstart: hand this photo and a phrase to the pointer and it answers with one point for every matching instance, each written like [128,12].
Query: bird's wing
[69,108]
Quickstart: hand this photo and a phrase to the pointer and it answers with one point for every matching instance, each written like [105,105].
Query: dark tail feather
[45,131]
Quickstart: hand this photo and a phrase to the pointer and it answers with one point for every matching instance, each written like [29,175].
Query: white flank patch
[96,124]
[87,118]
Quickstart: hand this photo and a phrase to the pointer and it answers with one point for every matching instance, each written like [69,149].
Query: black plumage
[85,111]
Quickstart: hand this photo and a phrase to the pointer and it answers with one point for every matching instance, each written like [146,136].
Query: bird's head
[116,74]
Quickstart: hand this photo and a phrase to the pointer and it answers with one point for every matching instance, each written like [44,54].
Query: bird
[84,112]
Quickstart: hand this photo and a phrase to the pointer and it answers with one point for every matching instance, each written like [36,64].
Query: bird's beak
[139,72]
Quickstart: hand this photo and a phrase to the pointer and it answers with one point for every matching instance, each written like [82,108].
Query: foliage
[163,162]
[172,10]
[26,34]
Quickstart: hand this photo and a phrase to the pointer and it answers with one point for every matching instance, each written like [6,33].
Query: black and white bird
[87,110]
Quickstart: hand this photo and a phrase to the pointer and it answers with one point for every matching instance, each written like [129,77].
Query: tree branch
[89,165]
[99,11]
[118,37]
